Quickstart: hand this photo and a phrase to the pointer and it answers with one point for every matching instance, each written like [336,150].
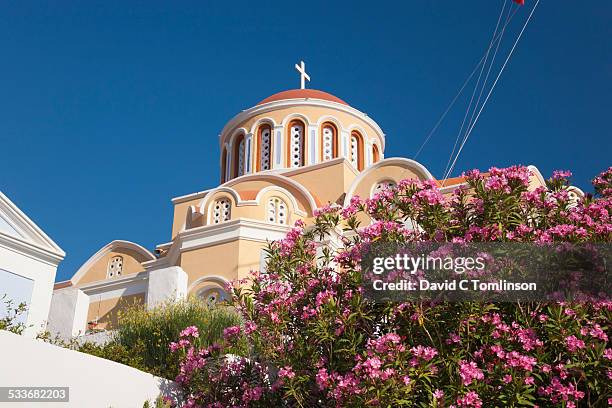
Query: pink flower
[190,331]
[286,372]
[230,333]
[471,399]
[322,378]
[469,371]
[573,343]
[561,174]
[438,394]
[426,353]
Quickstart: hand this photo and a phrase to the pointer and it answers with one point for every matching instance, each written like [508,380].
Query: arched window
[375,153]
[383,185]
[115,267]
[329,142]
[222,210]
[295,140]
[212,295]
[238,158]
[277,211]
[265,147]
[357,150]
[224,166]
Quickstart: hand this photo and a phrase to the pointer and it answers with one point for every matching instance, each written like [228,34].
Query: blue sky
[109,109]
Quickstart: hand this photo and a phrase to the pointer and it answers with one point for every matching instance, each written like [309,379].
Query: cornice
[209,235]
[31,250]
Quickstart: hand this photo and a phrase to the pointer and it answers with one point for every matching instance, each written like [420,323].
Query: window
[115,267]
[223,165]
[357,150]
[238,159]
[296,144]
[212,295]
[222,211]
[329,142]
[277,211]
[265,147]
[375,153]
[383,185]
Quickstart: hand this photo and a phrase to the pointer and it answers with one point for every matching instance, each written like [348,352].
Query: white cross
[303,75]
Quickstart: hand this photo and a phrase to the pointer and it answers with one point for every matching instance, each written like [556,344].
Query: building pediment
[20,233]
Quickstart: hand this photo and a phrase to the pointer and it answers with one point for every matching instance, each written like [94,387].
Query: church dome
[302,94]
[298,128]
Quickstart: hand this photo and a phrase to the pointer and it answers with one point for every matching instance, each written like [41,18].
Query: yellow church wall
[107,311]
[327,182]
[390,172]
[218,260]
[180,214]
[97,272]
[230,261]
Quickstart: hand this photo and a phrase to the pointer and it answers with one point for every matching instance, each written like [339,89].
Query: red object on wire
[520,2]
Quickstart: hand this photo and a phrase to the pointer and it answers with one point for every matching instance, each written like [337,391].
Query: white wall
[42,274]
[94,382]
[68,312]
[167,284]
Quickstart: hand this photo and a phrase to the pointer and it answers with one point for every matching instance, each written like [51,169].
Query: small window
[115,267]
[329,142]
[277,211]
[357,150]
[222,211]
[375,154]
[212,295]
[296,144]
[383,185]
[238,159]
[265,147]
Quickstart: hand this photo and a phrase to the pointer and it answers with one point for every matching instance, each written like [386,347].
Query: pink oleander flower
[190,331]
[426,353]
[231,333]
[471,399]
[561,174]
[438,394]
[573,343]
[469,371]
[286,372]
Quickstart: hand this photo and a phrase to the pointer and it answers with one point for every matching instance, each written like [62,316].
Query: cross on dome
[303,75]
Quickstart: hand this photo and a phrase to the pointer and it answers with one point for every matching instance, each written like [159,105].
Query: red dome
[302,94]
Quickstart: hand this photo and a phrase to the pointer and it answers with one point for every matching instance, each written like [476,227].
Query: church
[279,161]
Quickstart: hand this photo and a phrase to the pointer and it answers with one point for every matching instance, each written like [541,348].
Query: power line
[493,86]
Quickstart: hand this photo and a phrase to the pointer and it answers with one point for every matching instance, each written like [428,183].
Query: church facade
[281,159]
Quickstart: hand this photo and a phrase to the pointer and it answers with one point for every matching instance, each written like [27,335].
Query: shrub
[142,337]
[146,333]
[315,340]
[10,321]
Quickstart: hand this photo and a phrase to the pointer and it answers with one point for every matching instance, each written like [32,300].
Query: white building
[28,262]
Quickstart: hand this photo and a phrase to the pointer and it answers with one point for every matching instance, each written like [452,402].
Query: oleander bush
[315,340]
